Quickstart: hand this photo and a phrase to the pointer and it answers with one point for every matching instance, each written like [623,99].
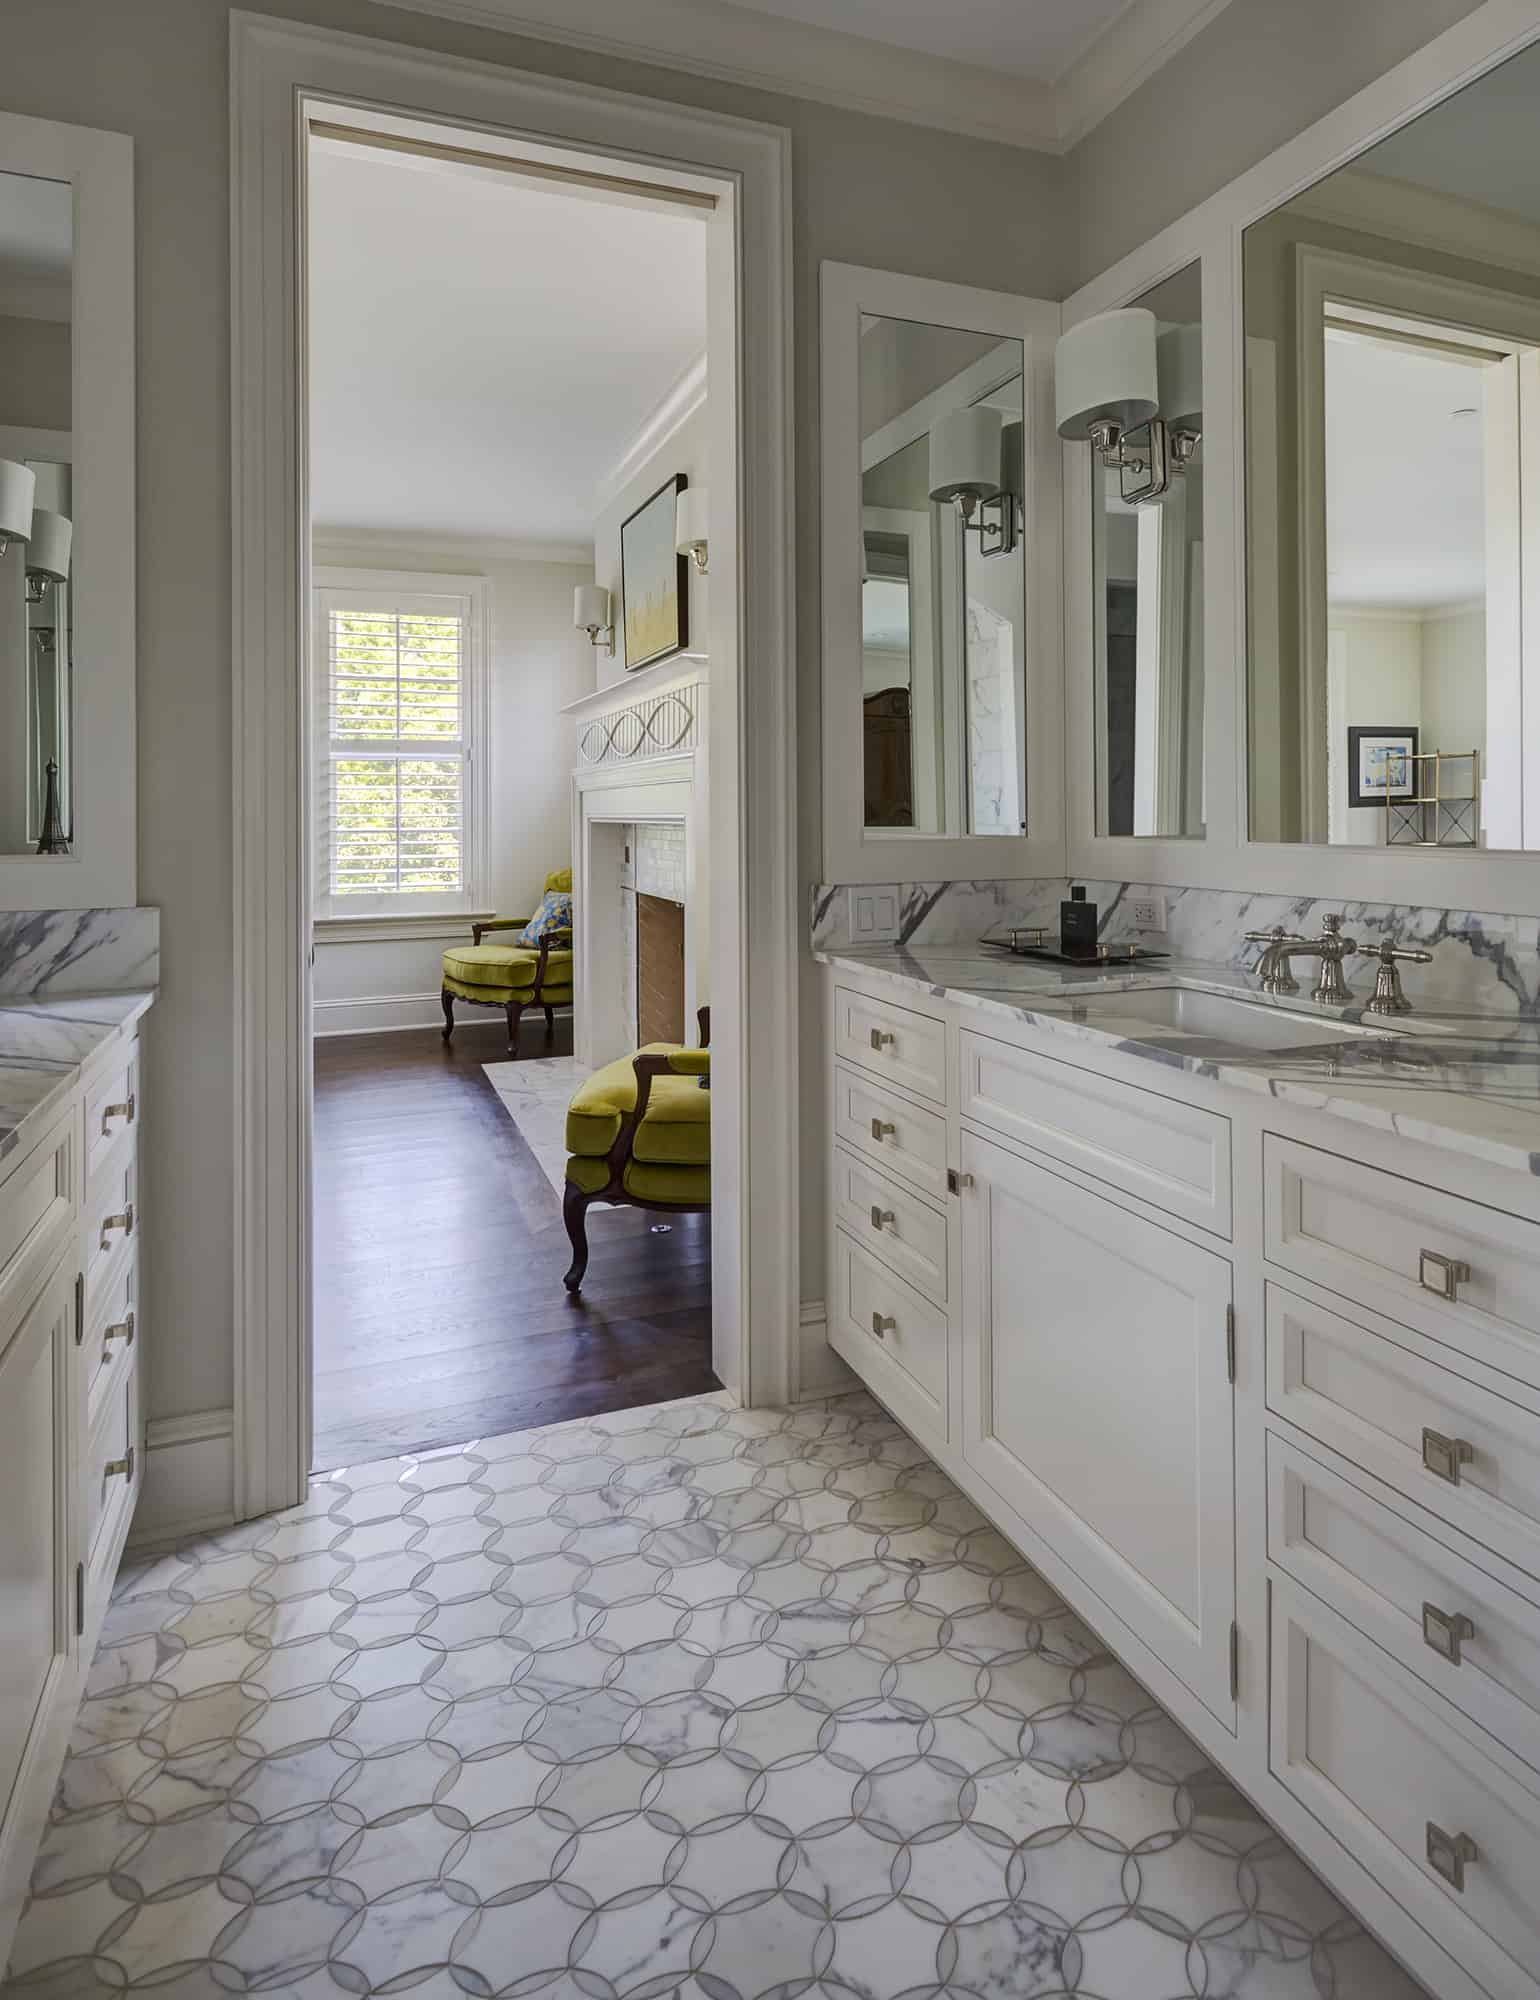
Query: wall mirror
[36,513]
[1392,370]
[936,532]
[1147,588]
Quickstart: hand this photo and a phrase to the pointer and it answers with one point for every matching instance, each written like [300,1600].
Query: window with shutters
[396,719]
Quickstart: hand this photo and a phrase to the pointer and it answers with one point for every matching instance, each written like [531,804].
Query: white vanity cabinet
[1257,1388]
[71,1445]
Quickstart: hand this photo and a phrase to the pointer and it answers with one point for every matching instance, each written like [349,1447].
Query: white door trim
[275,67]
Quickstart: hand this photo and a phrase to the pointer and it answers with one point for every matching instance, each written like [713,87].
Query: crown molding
[332,545]
[660,424]
[759,51]
[1378,205]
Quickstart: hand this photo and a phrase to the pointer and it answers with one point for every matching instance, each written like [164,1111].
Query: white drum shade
[965,454]
[690,519]
[48,552]
[1179,356]
[1105,370]
[18,486]
[590,607]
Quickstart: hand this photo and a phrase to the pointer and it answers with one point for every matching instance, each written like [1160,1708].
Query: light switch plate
[873,916]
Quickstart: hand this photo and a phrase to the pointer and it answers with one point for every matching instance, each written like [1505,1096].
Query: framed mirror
[938,522]
[67,779]
[1392,398]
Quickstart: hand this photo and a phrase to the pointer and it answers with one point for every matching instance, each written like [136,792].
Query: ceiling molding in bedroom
[738,44]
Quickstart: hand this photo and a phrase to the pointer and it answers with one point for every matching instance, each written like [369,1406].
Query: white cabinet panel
[1172,1154]
[905,1047]
[906,1138]
[1097,1400]
[1453,1445]
[1461,1272]
[1374,1758]
[896,1341]
[894,1224]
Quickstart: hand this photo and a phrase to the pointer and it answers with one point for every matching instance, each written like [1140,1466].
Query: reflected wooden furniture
[511,974]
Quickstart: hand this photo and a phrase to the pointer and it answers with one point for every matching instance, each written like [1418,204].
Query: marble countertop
[1459,1079]
[44,1043]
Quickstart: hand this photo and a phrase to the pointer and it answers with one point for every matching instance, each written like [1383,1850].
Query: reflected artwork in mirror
[1147,559]
[943,596]
[36,515]
[1392,320]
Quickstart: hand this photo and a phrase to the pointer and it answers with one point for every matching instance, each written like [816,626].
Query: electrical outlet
[1148,913]
[874,916]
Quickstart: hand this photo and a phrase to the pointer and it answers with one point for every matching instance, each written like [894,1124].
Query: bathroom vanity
[1226,1311]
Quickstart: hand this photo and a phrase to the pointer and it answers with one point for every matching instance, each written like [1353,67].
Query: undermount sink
[1220,1017]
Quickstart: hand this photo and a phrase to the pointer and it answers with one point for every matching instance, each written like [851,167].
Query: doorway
[283,75]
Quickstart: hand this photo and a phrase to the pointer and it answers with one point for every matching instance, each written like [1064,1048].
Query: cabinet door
[1097,1401]
[34,1546]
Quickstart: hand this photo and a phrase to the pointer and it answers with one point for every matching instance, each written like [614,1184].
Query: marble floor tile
[687,1701]
[535,1093]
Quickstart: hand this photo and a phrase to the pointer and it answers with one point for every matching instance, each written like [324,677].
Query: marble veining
[42,1046]
[688,1701]
[1480,959]
[1457,1078]
[52,952]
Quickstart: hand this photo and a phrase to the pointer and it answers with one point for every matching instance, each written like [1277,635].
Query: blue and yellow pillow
[553,915]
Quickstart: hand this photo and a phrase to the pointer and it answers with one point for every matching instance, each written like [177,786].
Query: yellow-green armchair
[512,974]
[639,1135]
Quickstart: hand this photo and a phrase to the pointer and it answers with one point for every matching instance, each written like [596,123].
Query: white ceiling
[1031,38]
[1405,500]
[1479,144]
[484,348]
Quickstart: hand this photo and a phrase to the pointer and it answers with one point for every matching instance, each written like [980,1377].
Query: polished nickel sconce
[591,614]
[1135,395]
[975,462]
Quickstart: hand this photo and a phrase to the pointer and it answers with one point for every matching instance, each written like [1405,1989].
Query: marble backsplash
[1479,959]
[52,952]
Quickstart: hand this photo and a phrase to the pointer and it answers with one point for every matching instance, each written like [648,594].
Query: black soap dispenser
[1077,926]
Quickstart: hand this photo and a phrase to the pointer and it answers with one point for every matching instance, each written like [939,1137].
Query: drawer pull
[1443,1276]
[1446,1632]
[881,1217]
[125,1222]
[883,1324]
[122,1329]
[881,1037]
[1445,1455]
[881,1129]
[124,1110]
[123,1465]
[1450,1854]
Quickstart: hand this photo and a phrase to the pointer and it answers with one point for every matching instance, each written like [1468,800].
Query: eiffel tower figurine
[54,840]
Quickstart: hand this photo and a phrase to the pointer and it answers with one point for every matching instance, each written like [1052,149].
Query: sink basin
[1219,1017]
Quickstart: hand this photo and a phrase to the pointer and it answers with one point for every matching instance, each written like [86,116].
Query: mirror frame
[1214,234]
[100,872]
[850,852]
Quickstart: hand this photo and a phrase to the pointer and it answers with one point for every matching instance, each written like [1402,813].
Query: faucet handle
[1387,951]
[1277,935]
[1388,996]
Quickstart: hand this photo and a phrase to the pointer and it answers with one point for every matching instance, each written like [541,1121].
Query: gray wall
[866,191]
[34,373]
[1259,73]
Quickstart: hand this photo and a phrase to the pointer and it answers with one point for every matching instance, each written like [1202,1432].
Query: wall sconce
[1134,395]
[967,455]
[18,485]
[690,526]
[591,614]
[48,552]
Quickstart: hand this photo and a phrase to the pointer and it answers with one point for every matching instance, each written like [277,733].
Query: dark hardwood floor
[439,1252]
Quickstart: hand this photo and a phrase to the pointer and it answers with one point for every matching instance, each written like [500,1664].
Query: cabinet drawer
[38,1201]
[110,1471]
[111,1332]
[894,1339]
[892,1224]
[112,1107]
[1399,1246]
[880,1124]
[1173,1155]
[110,1220]
[1382,1404]
[908,1048]
[1373,1756]
[1451,1623]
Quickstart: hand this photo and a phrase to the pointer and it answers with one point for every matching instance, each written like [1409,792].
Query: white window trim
[408,915]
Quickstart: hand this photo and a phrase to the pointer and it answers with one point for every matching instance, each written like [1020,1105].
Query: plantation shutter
[393,732]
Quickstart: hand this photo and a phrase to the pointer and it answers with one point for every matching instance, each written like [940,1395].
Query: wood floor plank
[440,1313]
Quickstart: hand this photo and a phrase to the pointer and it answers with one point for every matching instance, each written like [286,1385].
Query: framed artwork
[1381,765]
[654,579]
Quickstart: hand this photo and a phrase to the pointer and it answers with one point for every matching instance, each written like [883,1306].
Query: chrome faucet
[1388,997]
[1331,948]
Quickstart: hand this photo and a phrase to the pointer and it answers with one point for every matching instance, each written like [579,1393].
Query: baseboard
[377,1013]
[189,1476]
[820,1371]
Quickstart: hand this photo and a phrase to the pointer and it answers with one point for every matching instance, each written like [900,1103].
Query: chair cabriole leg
[574,1213]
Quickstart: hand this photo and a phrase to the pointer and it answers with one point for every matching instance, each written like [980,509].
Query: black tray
[1103,954]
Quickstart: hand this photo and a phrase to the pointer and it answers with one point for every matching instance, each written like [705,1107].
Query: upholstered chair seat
[521,969]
